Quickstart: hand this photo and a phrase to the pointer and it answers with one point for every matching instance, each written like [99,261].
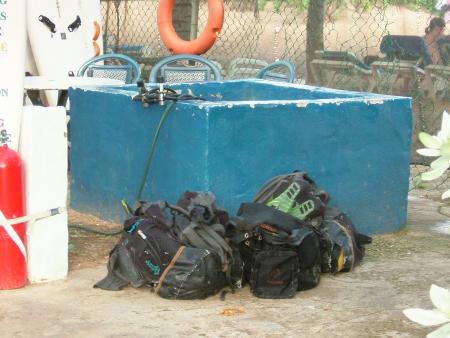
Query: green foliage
[413,4]
[262,4]
[302,5]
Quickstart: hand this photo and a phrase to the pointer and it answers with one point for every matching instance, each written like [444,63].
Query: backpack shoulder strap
[203,236]
[190,236]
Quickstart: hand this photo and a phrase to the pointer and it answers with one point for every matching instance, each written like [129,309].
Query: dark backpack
[295,194]
[149,253]
[281,254]
[342,245]
[193,274]
[200,223]
[144,251]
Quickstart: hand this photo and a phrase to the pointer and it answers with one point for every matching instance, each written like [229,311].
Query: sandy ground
[87,249]
[395,275]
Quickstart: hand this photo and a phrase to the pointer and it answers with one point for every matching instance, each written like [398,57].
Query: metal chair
[241,68]
[185,68]
[340,69]
[112,66]
[285,72]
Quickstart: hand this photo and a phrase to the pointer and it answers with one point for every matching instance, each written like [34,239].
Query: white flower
[437,145]
[440,298]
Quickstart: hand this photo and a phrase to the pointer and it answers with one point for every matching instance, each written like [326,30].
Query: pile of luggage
[279,243]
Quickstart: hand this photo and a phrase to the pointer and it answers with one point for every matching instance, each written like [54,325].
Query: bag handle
[176,209]
[268,188]
[276,236]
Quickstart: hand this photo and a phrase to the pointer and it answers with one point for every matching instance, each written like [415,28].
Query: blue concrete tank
[354,145]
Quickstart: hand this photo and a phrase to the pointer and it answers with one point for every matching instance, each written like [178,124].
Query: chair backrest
[185,68]
[406,48]
[334,55]
[112,66]
[285,71]
[244,68]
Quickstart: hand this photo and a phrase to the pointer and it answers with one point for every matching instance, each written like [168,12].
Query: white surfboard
[12,69]
[57,38]
[30,68]
[93,29]
[30,65]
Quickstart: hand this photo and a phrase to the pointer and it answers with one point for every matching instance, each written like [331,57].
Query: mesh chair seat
[185,68]
[185,74]
[124,68]
[122,73]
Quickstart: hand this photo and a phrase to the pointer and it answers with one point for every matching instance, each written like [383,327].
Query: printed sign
[12,69]
[3,16]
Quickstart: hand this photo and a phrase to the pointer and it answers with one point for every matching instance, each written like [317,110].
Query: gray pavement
[368,302]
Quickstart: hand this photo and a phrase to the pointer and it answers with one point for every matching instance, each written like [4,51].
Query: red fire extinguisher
[13,267]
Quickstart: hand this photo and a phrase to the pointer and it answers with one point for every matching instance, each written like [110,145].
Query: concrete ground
[396,274]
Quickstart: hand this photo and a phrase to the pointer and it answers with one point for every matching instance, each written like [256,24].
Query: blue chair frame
[130,66]
[267,73]
[163,67]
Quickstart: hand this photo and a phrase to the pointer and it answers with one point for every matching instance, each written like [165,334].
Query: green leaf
[429,152]
[425,317]
[446,194]
[440,298]
[445,125]
[441,162]
[445,149]
[417,180]
[442,332]
[429,141]
[433,174]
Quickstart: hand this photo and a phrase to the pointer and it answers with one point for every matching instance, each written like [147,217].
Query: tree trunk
[314,35]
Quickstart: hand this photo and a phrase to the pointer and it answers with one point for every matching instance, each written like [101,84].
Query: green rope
[94,231]
[144,178]
[152,149]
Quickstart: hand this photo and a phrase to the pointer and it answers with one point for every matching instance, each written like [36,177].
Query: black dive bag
[150,254]
[342,245]
[281,253]
[193,274]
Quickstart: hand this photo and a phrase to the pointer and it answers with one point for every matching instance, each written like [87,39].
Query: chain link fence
[258,32]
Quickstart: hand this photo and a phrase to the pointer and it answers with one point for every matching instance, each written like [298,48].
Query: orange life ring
[96,48]
[97,30]
[95,38]
[198,46]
